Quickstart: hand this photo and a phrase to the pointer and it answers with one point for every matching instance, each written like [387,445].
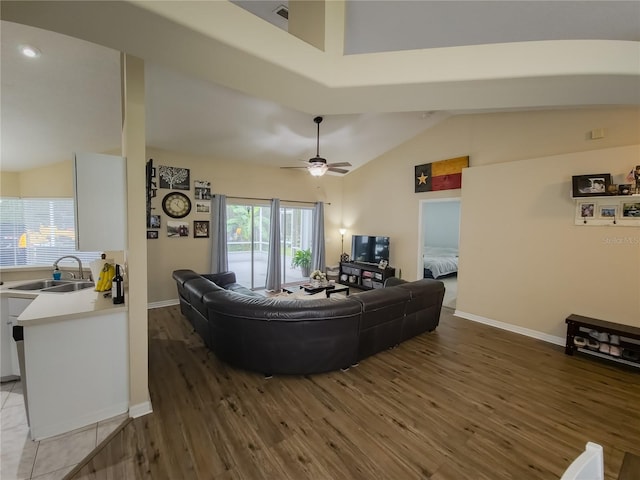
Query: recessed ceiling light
[29,51]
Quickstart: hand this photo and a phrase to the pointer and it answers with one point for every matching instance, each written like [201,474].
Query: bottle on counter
[117,288]
[57,274]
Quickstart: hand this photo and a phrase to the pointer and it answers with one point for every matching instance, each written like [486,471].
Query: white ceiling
[68,99]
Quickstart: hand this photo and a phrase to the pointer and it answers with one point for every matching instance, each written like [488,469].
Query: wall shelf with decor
[600,202]
[364,276]
[612,210]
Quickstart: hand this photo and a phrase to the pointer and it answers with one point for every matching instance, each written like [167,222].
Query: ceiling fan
[318,166]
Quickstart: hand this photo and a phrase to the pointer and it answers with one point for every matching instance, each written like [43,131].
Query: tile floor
[51,458]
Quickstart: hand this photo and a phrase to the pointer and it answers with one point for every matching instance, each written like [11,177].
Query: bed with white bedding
[440,261]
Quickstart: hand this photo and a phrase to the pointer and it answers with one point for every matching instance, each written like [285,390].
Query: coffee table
[330,289]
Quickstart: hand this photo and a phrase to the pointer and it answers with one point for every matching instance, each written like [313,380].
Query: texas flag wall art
[442,175]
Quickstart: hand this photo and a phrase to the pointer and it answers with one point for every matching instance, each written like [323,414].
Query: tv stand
[364,276]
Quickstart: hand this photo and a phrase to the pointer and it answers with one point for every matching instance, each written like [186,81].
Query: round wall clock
[176,205]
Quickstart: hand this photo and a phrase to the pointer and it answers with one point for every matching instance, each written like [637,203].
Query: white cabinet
[10,309]
[77,372]
[100,190]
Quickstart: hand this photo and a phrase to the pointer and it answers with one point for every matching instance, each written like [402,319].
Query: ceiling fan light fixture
[318,169]
[29,51]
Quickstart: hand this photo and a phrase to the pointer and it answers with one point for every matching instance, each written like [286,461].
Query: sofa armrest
[221,279]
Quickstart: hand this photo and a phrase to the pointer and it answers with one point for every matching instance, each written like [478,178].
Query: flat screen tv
[369,249]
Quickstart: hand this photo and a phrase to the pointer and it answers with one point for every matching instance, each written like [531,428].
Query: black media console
[364,276]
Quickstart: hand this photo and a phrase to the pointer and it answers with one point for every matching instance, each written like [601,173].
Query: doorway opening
[439,242]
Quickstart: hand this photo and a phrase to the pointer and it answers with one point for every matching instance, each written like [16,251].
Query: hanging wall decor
[200,229]
[442,175]
[202,190]
[174,178]
[177,229]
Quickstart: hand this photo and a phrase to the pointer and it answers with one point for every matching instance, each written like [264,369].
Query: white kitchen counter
[51,307]
[76,358]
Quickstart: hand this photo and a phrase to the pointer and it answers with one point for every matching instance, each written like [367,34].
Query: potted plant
[302,259]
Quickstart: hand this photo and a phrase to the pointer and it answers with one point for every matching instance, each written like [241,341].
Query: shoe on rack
[593,344]
[614,339]
[600,336]
[631,355]
[580,342]
[604,348]
[614,351]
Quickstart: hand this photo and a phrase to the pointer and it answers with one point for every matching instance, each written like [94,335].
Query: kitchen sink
[54,285]
[69,287]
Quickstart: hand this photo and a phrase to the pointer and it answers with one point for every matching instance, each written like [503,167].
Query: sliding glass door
[248,228]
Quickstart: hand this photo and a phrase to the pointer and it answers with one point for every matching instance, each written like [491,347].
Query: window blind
[38,231]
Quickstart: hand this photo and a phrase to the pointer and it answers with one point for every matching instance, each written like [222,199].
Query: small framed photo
[383,264]
[587,210]
[591,185]
[177,229]
[203,206]
[631,209]
[624,189]
[608,211]
[152,234]
[201,229]
[154,221]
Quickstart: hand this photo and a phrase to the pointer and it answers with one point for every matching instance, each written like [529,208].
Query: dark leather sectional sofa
[299,336]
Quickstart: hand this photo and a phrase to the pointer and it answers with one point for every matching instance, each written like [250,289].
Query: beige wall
[9,184]
[379,199]
[231,178]
[523,261]
[51,181]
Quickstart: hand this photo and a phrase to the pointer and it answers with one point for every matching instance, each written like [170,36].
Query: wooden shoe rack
[577,325]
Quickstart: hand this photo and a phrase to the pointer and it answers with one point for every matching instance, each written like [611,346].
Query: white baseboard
[512,328]
[140,409]
[163,303]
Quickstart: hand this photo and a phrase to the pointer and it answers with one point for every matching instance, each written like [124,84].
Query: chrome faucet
[55,264]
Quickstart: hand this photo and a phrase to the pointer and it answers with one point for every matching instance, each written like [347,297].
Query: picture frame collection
[177,226]
[601,202]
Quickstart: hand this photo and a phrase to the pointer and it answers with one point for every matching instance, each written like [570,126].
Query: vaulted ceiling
[223,82]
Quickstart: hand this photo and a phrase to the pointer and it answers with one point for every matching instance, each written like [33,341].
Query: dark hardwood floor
[467,401]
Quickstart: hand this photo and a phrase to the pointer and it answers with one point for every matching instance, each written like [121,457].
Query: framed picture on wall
[631,209]
[176,229]
[174,178]
[203,206]
[200,229]
[152,234]
[154,221]
[591,185]
[587,210]
[608,211]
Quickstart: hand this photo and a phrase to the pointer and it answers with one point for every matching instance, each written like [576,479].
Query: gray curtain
[274,262]
[219,260]
[317,239]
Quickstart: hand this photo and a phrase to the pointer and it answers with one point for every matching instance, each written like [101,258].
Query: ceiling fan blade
[338,170]
[293,167]
[339,164]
